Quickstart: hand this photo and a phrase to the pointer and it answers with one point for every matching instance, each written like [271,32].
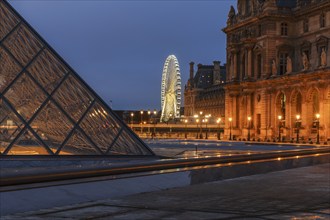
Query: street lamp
[197,121]
[230,120]
[185,133]
[249,125]
[318,128]
[297,127]
[149,112]
[206,120]
[141,112]
[155,121]
[132,115]
[201,125]
[279,127]
[219,134]
[201,129]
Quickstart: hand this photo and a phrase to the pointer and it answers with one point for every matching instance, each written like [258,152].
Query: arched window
[284,29]
[283,60]
[316,106]
[283,102]
[280,106]
[259,66]
[298,104]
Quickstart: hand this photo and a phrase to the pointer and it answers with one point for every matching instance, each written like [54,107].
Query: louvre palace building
[278,70]
[204,91]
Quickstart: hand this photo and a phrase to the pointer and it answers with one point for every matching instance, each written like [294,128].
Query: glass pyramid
[45,107]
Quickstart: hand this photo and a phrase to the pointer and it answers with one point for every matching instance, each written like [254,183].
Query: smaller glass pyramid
[45,107]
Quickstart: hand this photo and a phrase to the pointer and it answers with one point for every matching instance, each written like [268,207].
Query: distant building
[278,63]
[204,90]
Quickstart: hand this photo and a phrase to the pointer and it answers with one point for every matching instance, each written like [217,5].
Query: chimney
[191,70]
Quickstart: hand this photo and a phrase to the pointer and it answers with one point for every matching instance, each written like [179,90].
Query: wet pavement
[301,193]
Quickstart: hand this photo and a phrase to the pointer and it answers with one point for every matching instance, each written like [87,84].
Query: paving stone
[139,214]
[191,215]
[88,212]
[301,193]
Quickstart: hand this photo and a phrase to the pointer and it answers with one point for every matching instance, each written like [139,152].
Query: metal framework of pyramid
[45,107]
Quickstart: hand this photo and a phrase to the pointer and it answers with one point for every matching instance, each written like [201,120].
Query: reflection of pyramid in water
[45,107]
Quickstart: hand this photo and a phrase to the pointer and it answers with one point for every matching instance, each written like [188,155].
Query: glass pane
[23,44]
[78,145]
[27,144]
[126,144]
[100,127]
[73,98]
[52,126]
[10,126]
[25,96]
[7,21]
[47,70]
[8,69]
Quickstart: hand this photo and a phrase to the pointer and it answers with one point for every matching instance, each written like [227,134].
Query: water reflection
[203,148]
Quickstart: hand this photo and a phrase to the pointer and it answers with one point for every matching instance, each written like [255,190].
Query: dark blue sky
[119,47]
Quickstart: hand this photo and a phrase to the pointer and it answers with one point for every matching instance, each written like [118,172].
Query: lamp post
[206,121]
[197,121]
[249,125]
[297,127]
[149,112]
[201,124]
[279,127]
[218,133]
[318,128]
[155,121]
[230,120]
[132,115]
[206,135]
[141,112]
[185,125]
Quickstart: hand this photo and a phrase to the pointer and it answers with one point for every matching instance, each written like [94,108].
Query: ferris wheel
[171,89]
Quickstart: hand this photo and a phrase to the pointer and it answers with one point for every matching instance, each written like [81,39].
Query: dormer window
[322,20]
[305,25]
[284,29]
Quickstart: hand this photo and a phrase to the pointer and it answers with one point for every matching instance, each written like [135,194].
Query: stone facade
[278,64]
[204,90]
